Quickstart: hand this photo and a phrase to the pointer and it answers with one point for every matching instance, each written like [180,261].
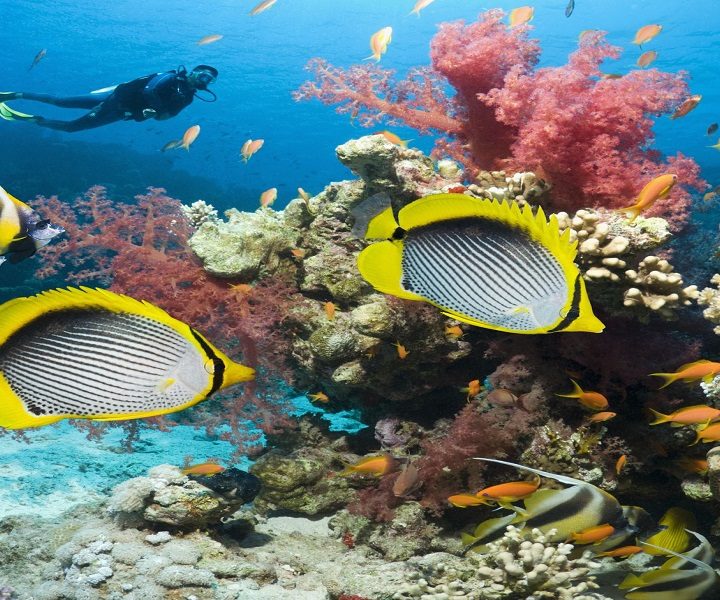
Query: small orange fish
[505,493]
[329,309]
[243,288]
[502,397]
[401,350]
[610,76]
[465,500]
[522,15]
[699,466]
[652,191]
[171,145]
[38,57]
[620,464]
[686,106]
[319,397]
[646,58]
[372,465]
[707,434]
[590,400]
[268,197]
[694,371]
[592,535]
[209,39]
[379,42]
[189,137]
[473,388]
[690,415]
[419,5]
[249,148]
[393,138]
[298,253]
[206,468]
[622,551]
[602,416]
[454,331]
[407,482]
[304,195]
[646,33]
[263,6]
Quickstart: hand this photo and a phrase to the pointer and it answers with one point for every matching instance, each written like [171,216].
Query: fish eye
[42,224]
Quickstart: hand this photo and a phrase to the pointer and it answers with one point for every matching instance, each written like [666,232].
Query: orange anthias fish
[268,197]
[298,253]
[391,137]
[209,39]
[655,189]
[592,535]
[602,416]
[708,433]
[646,58]
[690,415]
[686,106]
[263,6]
[189,137]
[379,42]
[465,500]
[473,388]
[372,465]
[329,309]
[419,5]
[207,468]
[505,493]
[694,371]
[319,397]
[401,350]
[591,400]
[454,331]
[699,466]
[38,57]
[249,148]
[646,33]
[622,551]
[522,15]
[620,464]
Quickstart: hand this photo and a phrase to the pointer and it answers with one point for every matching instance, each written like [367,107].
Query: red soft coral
[589,134]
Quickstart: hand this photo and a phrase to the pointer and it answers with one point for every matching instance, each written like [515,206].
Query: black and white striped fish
[92,354]
[482,262]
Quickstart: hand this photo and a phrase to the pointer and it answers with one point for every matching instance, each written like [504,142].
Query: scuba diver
[156,96]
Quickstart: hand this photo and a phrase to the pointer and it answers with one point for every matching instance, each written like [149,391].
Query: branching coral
[589,135]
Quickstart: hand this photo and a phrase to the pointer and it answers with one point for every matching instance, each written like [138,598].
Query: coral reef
[587,134]
[710,297]
[199,212]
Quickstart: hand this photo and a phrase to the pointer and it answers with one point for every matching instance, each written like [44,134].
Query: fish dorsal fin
[381,264]
[702,361]
[561,478]
[21,311]
[443,207]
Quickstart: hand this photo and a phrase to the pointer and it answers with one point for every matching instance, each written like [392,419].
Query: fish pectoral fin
[165,384]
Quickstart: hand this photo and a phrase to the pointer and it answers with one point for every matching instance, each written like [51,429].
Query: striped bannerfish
[562,512]
[92,354]
[685,583]
[487,263]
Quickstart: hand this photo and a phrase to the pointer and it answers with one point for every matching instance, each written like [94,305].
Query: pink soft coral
[588,134]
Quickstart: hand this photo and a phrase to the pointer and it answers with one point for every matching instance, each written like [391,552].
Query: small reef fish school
[464,314]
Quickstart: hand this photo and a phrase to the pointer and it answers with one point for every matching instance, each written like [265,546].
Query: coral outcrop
[709,297]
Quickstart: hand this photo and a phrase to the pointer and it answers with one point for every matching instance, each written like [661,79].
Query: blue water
[92,45]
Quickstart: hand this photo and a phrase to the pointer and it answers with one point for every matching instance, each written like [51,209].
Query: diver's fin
[7,96]
[10,114]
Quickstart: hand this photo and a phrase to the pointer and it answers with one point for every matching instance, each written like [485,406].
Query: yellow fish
[263,6]
[646,33]
[652,191]
[673,535]
[379,42]
[92,354]
[522,15]
[209,39]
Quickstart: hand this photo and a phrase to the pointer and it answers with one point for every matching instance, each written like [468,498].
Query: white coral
[200,212]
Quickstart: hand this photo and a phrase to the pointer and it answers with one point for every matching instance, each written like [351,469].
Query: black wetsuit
[156,96]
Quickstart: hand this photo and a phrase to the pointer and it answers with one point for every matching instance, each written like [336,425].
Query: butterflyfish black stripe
[219,365]
[574,311]
[584,498]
